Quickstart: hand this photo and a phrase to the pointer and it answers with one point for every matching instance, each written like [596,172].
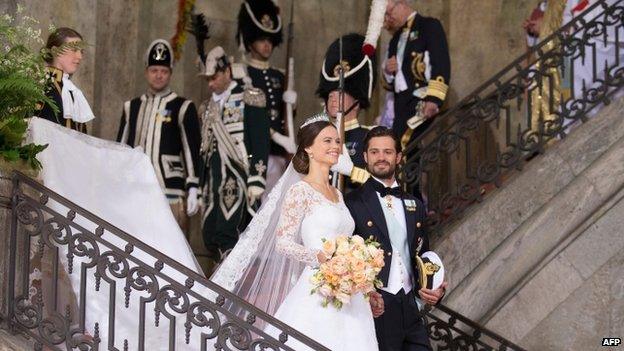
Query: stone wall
[119,32]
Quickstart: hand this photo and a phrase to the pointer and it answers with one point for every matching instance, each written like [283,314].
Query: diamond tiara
[316,118]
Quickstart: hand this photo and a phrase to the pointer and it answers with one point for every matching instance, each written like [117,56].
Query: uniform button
[266,77]
[418,225]
[389,253]
[267,83]
[270,90]
[272,103]
[271,96]
[369,223]
[264,71]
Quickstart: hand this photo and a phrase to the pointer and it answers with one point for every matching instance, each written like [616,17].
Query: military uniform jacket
[369,218]
[166,126]
[426,64]
[238,133]
[54,86]
[271,81]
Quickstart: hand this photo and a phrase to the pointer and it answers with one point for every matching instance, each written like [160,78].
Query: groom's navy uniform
[396,220]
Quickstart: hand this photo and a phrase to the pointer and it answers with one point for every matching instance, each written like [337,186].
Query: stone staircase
[9,342]
[539,259]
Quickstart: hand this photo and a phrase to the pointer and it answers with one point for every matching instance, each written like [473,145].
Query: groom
[396,220]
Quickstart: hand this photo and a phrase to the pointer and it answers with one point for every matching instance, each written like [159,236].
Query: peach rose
[342,245]
[358,240]
[340,265]
[329,247]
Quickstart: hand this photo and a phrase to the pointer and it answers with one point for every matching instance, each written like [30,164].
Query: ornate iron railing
[58,262]
[514,116]
[451,331]
[78,282]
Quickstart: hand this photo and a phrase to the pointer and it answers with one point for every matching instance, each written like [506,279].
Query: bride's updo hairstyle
[306,136]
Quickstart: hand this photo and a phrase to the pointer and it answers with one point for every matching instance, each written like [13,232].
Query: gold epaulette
[254,97]
[359,175]
[437,88]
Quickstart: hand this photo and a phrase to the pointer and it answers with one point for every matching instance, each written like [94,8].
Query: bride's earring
[311,155]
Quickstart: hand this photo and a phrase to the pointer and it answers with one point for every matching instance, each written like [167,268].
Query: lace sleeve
[296,202]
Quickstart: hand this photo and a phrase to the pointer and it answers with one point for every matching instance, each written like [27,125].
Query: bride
[272,264]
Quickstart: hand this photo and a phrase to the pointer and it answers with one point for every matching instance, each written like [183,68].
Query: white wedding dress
[308,215]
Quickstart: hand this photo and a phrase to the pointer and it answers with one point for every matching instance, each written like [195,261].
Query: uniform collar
[159,94]
[257,63]
[220,97]
[55,74]
[352,124]
[410,20]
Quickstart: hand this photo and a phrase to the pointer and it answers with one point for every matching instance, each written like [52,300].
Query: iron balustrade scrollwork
[83,281]
[516,114]
[449,330]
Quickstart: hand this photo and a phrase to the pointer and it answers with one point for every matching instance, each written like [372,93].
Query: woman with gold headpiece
[63,54]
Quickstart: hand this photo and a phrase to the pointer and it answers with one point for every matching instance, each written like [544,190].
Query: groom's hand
[431,297]
[376,303]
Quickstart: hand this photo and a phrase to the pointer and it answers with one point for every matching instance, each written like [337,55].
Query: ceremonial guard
[63,54]
[259,32]
[359,82]
[417,69]
[235,149]
[166,126]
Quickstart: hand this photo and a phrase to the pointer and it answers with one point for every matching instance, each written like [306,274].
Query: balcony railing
[533,102]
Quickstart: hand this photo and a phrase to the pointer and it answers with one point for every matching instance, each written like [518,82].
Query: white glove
[285,142]
[254,193]
[192,204]
[290,97]
[344,165]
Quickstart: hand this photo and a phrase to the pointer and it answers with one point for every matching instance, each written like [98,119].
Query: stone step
[516,234]
[10,342]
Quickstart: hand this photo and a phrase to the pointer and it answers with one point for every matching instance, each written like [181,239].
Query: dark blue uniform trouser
[400,327]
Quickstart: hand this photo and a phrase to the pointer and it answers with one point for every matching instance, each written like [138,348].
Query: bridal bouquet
[352,267]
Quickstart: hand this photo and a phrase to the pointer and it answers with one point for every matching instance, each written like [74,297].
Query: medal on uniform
[410,205]
[163,116]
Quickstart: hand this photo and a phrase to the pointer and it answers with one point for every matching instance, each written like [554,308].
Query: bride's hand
[321,257]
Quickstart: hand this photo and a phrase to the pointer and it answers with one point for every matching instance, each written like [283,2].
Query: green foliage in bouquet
[22,87]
